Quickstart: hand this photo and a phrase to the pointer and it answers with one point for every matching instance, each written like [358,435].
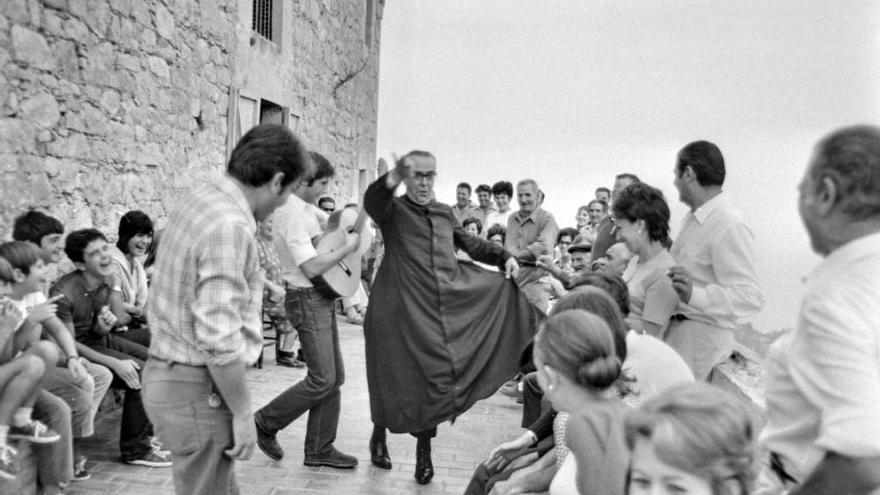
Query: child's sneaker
[154,458]
[8,463]
[34,432]
[80,473]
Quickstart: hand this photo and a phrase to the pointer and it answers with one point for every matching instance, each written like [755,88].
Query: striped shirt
[205,297]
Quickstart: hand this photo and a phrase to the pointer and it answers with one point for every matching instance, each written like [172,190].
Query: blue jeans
[314,318]
[176,397]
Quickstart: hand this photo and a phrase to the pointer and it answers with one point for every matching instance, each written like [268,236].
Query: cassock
[440,334]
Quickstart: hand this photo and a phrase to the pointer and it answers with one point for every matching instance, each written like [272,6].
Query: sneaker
[8,463]
[34,432]
[79,470]
[154,458]
[333,458]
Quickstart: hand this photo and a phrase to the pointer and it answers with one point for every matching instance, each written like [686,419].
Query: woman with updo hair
[694,439]
[577,366]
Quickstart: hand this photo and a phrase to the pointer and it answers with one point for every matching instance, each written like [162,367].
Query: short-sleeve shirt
[651,296]
[80,306]
[295,225]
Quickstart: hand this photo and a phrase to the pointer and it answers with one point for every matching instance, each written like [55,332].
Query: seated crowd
[613,389]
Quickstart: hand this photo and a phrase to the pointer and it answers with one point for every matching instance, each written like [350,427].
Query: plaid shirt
[204,305]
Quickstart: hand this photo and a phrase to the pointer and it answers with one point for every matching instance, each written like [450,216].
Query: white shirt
[717,248]
[823,380]
[294,226]
[496,217]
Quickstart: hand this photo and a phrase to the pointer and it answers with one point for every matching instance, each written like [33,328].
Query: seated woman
[577,365]
[695,439]
[130,278]
[641,216]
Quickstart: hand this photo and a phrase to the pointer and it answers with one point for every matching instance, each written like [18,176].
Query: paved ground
[457,448]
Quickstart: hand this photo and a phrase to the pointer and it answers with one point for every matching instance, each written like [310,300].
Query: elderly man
[823,379]
[715,281]
[531,233]
[440,335]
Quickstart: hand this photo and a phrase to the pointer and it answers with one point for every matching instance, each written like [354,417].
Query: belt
[779,468]
[678,317]
[171,363]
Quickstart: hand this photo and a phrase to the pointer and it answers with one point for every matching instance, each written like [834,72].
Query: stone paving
[457,449]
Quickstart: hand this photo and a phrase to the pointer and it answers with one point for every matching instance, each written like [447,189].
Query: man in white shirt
[823,379]
[313,315]
[716,280]
[463,207]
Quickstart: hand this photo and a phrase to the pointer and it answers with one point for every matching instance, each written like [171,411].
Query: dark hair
[471,220]
[484,188]
[604,190]
[495,230]
[643,202]
[20,254]
[612,284]
[600,303]
[602,203]
[569,231]
[33,225]
[150,260]
[266,150]
[705,159]
[77,241]
[131,224]
[850,157]
[323,168]
[502,187]
[6,273]
[628,176]
[464,185]
[579,345]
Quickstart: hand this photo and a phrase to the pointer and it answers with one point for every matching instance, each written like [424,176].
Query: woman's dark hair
[502,187]
[497,229]
[642,202]
[131,224]
[475,221]
[579,345]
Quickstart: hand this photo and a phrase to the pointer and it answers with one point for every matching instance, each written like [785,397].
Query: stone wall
[111,105]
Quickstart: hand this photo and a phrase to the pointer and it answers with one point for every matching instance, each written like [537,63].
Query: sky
[571,93]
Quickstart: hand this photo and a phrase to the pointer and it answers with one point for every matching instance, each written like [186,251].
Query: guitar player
[312,313]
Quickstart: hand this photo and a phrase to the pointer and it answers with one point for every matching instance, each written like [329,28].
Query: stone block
[16,135]
[110,102]
[31,48]
[99,17]
[164,22]
[78,8]
[56,4]
[15,10]
[159,67]
[41,109]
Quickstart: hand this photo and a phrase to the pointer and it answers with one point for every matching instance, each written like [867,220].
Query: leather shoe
[379,454]
[332,458]
[267,443]
[424,467]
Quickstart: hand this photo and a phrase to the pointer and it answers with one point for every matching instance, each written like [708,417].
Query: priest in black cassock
[440,333]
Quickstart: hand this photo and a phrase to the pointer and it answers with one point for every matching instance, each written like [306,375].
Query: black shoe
[424,467]
[268,444]
[290,362]
[379,454]
[333,458]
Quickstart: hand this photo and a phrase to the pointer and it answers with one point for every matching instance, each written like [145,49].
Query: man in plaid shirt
[204,311]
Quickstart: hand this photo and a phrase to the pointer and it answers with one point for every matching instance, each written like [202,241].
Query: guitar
[343,278]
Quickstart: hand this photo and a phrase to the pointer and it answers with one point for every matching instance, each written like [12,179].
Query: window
[264,18]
